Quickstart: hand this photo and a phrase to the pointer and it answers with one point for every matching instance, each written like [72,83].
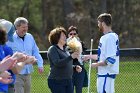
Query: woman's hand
[75,55]
[78,68]
[5,74]
[6,80]
[20,57]
[7,63]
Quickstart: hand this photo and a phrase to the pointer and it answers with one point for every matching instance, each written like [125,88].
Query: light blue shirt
[29,47]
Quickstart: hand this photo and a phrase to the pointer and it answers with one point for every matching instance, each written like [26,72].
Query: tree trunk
[47,21]
[25,9]
[103,6]
[68,9]
[93,13]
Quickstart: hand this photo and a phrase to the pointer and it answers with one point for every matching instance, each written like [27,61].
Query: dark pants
[60,86]
[11,88]
[78,80]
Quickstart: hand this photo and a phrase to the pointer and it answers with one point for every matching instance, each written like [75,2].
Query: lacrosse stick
[90,66]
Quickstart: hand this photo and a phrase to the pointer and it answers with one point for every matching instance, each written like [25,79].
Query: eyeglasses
[72,33]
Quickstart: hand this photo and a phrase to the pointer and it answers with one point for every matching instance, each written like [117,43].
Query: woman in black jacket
[61,69]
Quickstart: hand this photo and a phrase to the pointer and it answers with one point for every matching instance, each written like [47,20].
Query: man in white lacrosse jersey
[108,55]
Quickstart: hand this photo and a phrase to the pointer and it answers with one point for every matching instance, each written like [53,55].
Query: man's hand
[102,63]
[94,65]
[87,57]
[40,70]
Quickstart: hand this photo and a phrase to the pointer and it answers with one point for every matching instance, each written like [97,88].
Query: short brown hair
[106,18]
[72,28]
[3,35]
[55,34]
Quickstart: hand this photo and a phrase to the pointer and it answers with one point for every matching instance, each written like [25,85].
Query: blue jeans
[60,86]
[78,80]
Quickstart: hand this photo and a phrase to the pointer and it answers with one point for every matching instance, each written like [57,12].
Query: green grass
[126,82]
[39,81]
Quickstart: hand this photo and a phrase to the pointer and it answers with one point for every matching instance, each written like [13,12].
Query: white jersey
[109,49]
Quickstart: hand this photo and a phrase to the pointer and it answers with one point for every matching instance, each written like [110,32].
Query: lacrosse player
[108,55]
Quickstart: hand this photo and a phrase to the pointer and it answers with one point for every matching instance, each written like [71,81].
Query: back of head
[2,35]
[6,24]
[10,29]
[106,18]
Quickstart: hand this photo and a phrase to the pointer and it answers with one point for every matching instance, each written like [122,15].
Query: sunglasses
[72,33]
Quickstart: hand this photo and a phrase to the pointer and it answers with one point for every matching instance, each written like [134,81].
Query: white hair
[19,21]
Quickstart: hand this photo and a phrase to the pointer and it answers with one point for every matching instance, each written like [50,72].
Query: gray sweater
[60,63]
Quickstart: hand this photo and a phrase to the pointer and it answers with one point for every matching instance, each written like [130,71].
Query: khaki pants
[23,83]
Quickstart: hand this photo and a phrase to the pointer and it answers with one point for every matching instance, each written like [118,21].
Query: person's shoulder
[29,34]
[9,43]
[6,46]
[109,35]
[112,35]
[52,48]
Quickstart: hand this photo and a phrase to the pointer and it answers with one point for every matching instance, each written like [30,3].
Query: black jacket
[60,63]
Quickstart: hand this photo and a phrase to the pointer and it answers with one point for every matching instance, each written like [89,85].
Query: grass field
[128,81]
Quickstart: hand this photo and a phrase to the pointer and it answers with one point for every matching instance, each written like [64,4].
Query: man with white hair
[6,77]
[25,43]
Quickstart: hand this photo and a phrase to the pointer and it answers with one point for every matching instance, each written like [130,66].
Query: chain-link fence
[127,81]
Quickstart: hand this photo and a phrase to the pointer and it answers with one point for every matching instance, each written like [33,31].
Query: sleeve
[110,60]
[35,52]
[54,58]
[8,50]
[74,67]
[110,50]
